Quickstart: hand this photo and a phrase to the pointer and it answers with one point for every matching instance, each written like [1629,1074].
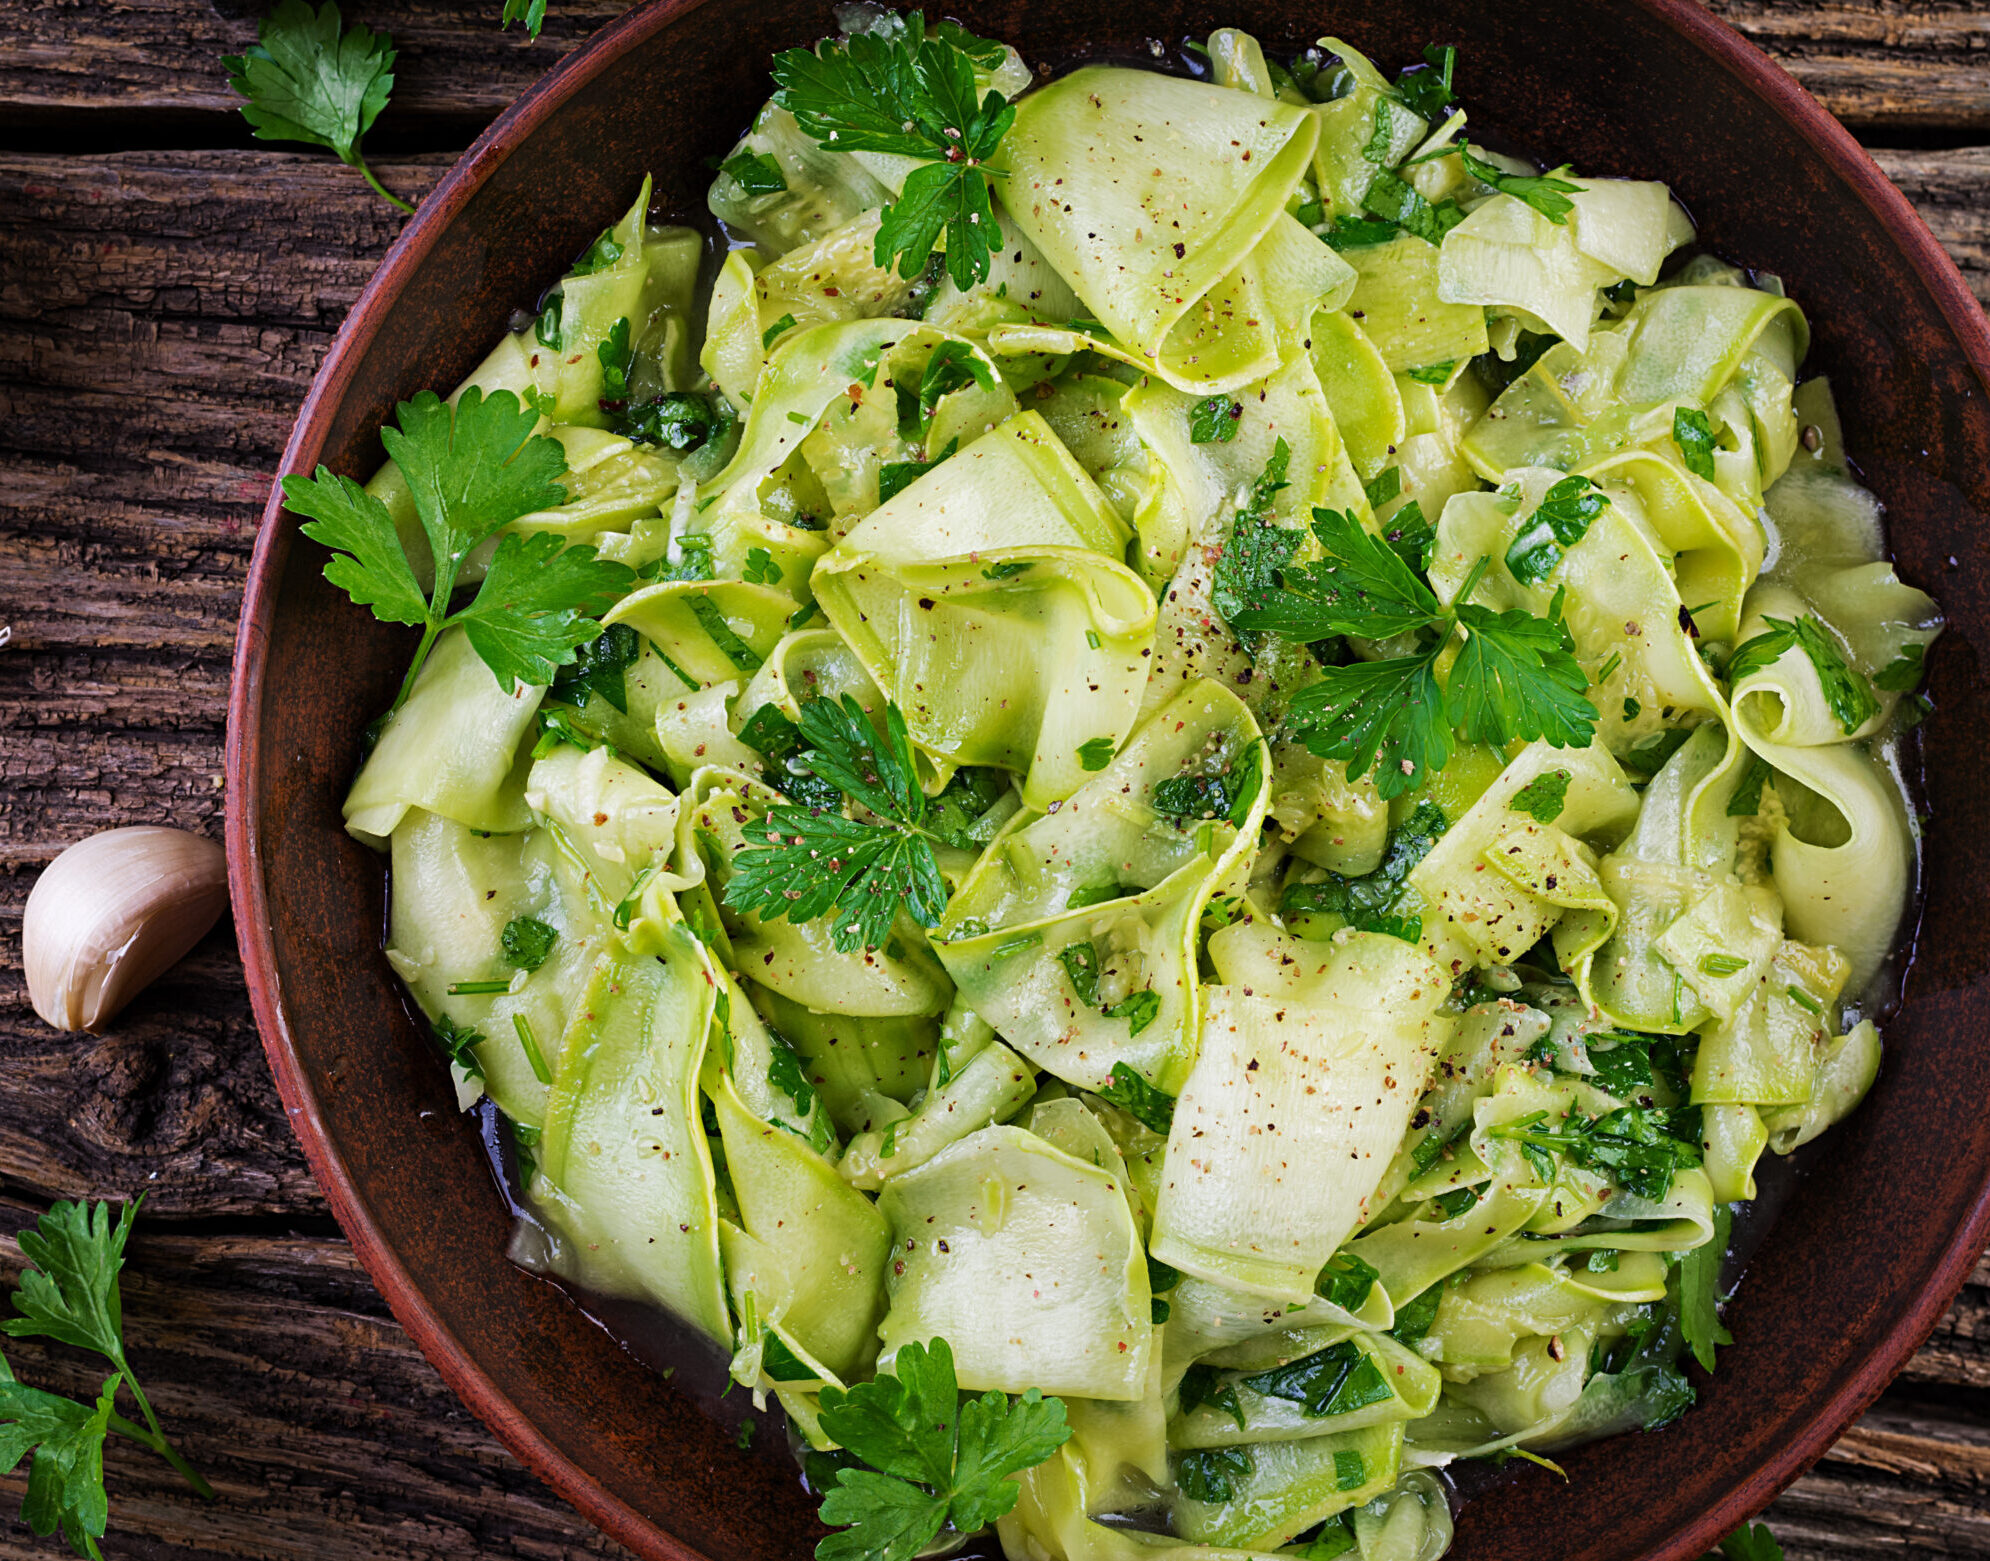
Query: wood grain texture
[160,317]
[1879,65]
[282,1378]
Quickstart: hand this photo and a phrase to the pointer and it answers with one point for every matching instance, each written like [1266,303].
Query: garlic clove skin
[111,914]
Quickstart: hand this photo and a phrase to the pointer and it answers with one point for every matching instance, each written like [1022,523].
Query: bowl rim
[1753,70]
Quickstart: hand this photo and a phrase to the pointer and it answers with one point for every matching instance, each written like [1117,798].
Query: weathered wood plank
[280,1375]
[1877,64]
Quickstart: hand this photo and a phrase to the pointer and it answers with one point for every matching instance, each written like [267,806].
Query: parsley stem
[156,1438]
[428,635]
[356,161]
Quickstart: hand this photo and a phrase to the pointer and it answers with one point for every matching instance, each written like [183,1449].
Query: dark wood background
[167,286]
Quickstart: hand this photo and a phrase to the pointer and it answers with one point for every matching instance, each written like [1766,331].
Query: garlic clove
[111,914]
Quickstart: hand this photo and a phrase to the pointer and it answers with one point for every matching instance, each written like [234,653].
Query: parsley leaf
[1081,965]
[1903,673]
[472,469]
[1128,1090]
[1546,193]
[531,12]
[527,942]
[933,1460]
[1560,520]
[538,605]
[756,173]
[1427,88]
[1209,1475]
[769,733]
[1694,437]
[1350,232]
[1360,586]
[1750,1542]
[1258,547]
[1096,754]
[1699,1285]
[1364,902]
[953,366]
[1543,798]
[1388,715]
[681,421]
[817,863]
[614,353]
[1746,800]
[1400,203]
[1516,677]
[894,477]
[600,668]
[1347,1280]
[1845,689]
[1202,1385]
[1334,1381]
[910,95]
[1214,421]
[306,80]
[1633,1145]
[459,1043]
[1434,373]
[70,1294]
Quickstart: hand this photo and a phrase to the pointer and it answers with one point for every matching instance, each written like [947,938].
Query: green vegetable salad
[1160,807]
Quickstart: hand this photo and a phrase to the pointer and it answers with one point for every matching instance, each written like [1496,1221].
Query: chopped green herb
[755,173]
[779,328]
[1209,1475]
[894,477]
[530,1043]
[1546,193]
[1427,90]
[1140,1100]
[1722,964]
[1846,691]
[1561,520]
[1747,799]
[1214,421]
[760,567]
[1699,1282]
[1694,436]
[1544,797]
[1097,753]
[1903,674]
[1346,1281]
[1433,373]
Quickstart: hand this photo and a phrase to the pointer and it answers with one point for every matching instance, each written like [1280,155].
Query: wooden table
[167,287]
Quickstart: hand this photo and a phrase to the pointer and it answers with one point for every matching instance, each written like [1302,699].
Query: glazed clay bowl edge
[250,766]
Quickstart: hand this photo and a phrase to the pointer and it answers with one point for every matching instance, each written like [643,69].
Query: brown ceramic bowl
[1882,1230]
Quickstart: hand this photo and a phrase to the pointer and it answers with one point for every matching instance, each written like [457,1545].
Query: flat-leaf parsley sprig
[1515,675]
[818,863]
[911,95]
[934,1462]
[473,469]
[306,79]
[71,1295]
